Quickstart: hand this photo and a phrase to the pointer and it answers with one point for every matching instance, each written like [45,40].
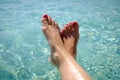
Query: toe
[75,24]
[44,19]
[45,16]
[68,26]
[56,25]
[76,29]
[45,24]
[49,20]
[64,34]
[53,22]
[71,28]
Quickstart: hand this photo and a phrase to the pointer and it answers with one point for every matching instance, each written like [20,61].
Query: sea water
[24,51]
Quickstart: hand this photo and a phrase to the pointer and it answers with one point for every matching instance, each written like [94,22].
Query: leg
[66,64]
[70,36]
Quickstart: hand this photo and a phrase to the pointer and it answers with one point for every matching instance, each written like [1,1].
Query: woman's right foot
[70,36]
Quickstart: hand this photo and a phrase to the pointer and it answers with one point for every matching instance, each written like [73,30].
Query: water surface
[24,50]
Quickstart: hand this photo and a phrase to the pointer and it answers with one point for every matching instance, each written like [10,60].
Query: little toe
[56,25]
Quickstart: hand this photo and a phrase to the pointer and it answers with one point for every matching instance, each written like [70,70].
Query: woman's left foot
[51,31]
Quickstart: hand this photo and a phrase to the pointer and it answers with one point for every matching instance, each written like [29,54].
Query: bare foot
[70,36]
[52,33]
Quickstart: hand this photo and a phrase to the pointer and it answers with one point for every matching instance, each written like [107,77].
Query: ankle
[60,56]
[63,56]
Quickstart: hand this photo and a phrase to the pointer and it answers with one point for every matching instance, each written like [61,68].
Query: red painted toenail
[75,23]
[45,16]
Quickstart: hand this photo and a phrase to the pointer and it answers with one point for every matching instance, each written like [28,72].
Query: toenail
[66,24]
[45,16]
[74,23]
[70,22]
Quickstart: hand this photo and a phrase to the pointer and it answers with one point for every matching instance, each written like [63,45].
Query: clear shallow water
[24,50]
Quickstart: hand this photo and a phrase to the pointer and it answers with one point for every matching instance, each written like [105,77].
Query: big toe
[76,26]
[76,29]
[44,19]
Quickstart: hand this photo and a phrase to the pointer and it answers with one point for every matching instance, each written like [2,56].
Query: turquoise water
[24,51]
